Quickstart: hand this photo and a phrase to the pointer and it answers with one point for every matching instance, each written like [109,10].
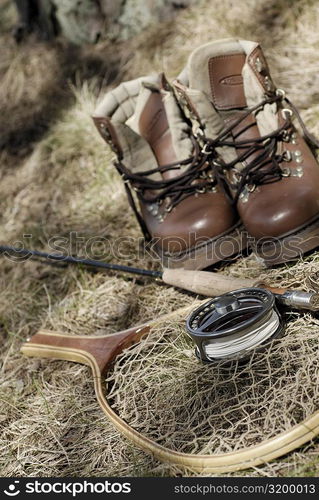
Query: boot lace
[198,177]
[260,159]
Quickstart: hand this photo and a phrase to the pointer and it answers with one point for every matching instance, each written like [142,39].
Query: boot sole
[290,246]
[221,248]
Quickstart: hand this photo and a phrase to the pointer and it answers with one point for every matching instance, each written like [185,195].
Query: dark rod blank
[77,260]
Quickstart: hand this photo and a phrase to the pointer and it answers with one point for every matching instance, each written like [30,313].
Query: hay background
[56,177]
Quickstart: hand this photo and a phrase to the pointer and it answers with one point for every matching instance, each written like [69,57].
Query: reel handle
[206,283]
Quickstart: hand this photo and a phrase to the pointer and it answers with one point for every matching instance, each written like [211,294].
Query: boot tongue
[216,69]
[228,93]
[226,81]
[233,74]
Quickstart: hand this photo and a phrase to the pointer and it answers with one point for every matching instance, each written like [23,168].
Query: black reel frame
[237,312]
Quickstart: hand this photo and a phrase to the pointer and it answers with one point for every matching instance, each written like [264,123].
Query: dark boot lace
[264,165]
[198,177]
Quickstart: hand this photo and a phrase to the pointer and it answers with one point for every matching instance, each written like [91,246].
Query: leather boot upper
[159,159]
[268,168]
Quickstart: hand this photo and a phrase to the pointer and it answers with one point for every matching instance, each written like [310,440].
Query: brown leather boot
[181,210]
[267,166]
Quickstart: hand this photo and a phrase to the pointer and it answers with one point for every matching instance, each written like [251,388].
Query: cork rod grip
[204,282]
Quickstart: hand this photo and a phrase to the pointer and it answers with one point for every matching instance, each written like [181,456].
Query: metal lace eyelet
[168,209]
[286,113]
[236,177]
[259,64]
[281,93]
[297,156]
[216,163]
[153,209]
[267,141]
[299,171]
[268,83]
[251,187]
[286,155]
[201,190]
[244,195]
[198,132]
[285,171]
[205,151]
[285,135]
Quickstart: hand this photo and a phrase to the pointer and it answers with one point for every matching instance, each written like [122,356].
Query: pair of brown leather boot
[213,163]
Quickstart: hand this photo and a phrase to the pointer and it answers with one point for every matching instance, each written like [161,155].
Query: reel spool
[229,327]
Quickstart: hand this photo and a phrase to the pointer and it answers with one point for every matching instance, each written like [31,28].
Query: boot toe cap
[194,221]
[277,216]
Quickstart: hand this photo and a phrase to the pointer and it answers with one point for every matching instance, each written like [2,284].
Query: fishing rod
[79,261]
[210,284]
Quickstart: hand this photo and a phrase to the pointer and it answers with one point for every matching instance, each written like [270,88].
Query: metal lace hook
[206,151]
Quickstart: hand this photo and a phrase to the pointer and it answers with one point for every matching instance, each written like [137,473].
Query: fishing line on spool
[233,325]
[236,343]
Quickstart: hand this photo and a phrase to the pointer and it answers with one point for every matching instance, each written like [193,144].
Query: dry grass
[56,177]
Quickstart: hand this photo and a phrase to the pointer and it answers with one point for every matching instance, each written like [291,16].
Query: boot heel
[290,247]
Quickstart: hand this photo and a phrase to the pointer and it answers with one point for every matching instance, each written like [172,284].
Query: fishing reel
[231,326]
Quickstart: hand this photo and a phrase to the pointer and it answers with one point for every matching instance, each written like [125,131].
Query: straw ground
[57,179]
